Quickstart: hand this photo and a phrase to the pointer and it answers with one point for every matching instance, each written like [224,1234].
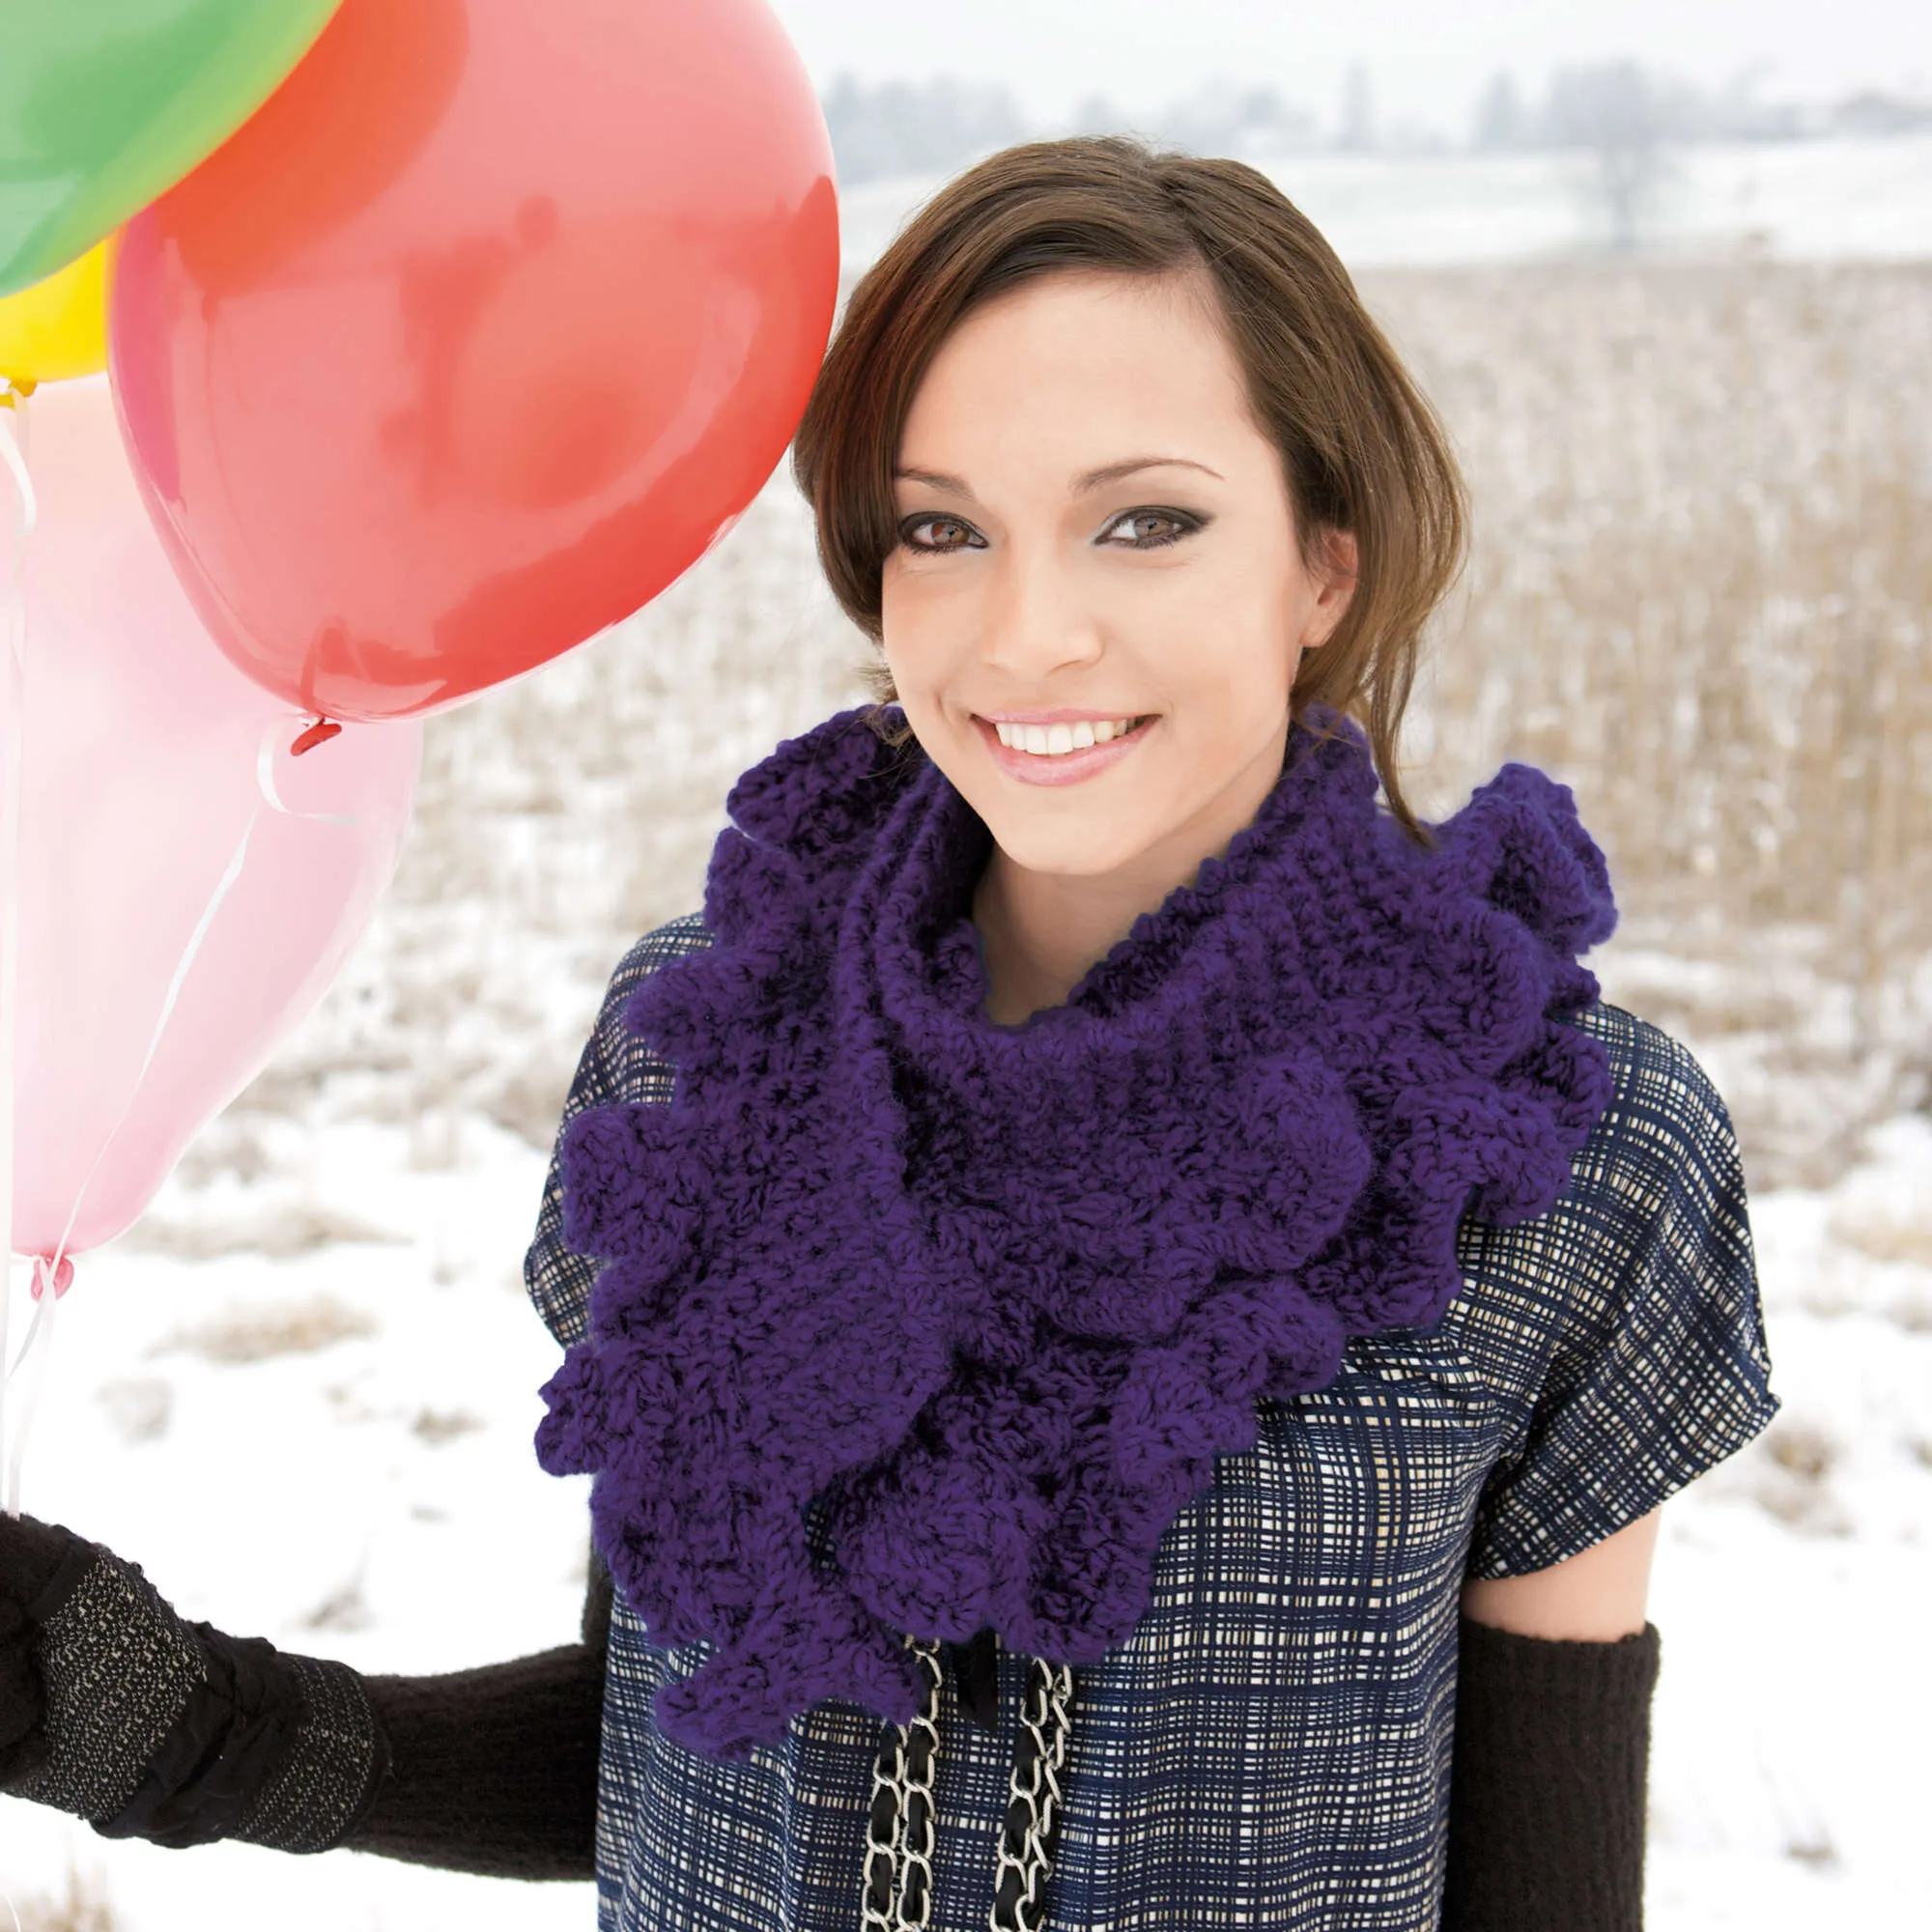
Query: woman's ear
[1335,579]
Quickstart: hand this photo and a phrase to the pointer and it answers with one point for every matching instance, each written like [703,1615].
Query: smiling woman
[1129,1307]
[1223,315]
[1103,438]
[1025,581]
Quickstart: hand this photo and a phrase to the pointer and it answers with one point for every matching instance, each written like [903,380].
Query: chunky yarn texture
[986,1302]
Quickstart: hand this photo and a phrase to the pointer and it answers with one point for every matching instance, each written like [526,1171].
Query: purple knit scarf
[992,1298]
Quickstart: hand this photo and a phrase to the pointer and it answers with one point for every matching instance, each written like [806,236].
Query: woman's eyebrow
[933,479]
[1112,472]
[1093,479]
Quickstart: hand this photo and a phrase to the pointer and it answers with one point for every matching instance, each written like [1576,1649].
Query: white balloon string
[264,779]
[173,993]
[13,738]
[15,458]
[33,1331]
[13,618]
[47,1271]
[42,1330]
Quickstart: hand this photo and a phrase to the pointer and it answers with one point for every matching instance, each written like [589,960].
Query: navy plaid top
[1271,1746]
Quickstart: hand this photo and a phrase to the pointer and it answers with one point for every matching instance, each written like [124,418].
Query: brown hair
[1363,448]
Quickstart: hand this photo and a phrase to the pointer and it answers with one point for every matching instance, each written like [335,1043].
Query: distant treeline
[901,127]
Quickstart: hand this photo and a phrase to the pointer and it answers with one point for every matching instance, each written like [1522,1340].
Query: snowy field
[332,1449]
[1839,199]
[300,1391]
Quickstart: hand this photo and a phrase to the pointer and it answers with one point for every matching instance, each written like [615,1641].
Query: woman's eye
[936,534]
[1147,529]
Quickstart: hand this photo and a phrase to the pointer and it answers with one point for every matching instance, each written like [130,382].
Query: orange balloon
[482,331]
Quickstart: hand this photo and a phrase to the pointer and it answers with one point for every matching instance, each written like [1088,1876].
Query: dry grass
[1793,1478]
[85,1907]
[1892,1230]
[259,1333]
[1700,593]
[437,1426]
[139,1407]
[1701,582]
[281,1232]
[344,1610]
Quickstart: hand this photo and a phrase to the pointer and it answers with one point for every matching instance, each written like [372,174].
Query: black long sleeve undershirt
[494,1770]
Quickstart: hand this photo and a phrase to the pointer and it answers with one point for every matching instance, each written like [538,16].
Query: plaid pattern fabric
[1272,1748]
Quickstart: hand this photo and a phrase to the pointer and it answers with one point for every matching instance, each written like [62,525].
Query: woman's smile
[1051,765]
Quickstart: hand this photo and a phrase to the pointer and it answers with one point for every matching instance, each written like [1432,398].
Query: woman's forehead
[1085,366]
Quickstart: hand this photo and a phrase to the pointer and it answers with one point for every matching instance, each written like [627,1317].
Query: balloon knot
[63,1276]
[317,733]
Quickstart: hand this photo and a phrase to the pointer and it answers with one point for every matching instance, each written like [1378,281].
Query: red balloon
[483,329]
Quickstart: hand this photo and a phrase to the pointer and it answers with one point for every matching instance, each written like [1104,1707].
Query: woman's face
[1093,529]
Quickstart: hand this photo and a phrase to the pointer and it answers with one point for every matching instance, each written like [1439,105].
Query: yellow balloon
[58,327]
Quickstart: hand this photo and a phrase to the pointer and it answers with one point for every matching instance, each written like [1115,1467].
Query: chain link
[1033,1801]
[896,1888]
[914,1900]
[877,1904]
[902,1775]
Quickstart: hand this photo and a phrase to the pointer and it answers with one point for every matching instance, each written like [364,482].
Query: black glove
[114,1709]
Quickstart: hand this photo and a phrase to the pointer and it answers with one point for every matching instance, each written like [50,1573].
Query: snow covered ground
[332,1449]
[301,1392]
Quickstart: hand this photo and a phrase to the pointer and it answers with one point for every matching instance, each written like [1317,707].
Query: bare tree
[1501,119]
[1224,118]
[1357,130]
[900,127]
[1622,120]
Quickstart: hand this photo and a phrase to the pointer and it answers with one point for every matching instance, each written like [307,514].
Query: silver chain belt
[896,1888]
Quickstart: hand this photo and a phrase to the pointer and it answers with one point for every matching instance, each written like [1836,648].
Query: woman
[1131,1310]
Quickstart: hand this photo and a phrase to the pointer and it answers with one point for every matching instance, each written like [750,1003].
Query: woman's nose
[1038,619]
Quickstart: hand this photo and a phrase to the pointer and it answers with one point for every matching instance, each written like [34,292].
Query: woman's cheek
[929,620]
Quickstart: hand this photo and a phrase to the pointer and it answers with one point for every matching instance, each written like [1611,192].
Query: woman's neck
[1039,932]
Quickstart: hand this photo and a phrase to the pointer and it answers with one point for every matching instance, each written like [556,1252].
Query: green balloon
[104,104]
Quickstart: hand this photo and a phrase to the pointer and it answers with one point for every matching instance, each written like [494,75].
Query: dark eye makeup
[968,537]
[1179,524]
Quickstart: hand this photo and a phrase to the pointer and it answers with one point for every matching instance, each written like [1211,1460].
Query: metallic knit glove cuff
[272,1749]
[178,1734]
[116,1668]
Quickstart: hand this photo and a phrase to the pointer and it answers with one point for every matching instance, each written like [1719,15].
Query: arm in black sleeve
[115,1710]
[1548,1782]
[495,1771]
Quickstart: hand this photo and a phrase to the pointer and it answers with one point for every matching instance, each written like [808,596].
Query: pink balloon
[137,782]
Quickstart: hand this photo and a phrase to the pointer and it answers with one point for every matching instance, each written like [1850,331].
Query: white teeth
[1055,741]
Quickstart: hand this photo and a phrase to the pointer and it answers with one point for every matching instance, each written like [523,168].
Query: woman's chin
[1061,837]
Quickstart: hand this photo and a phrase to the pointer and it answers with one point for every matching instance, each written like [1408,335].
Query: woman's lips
[1069,767]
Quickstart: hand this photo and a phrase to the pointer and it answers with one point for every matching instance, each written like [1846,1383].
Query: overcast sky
[1426,59]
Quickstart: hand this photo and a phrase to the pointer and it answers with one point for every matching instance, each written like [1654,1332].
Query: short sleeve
[1659,1366]
[615,1065]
